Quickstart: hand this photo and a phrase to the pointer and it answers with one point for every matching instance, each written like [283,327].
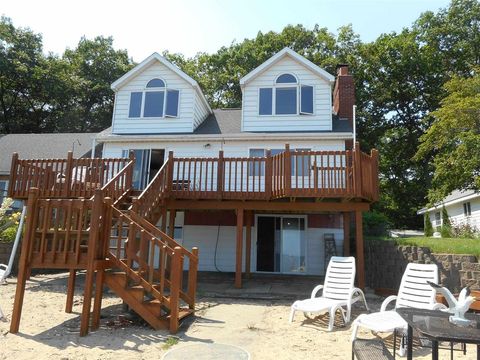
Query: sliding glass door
[293,245]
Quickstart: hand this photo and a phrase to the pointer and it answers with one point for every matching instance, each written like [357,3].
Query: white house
[463,207]
[286,100]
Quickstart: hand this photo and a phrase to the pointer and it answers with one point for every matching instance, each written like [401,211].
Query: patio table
[435,326]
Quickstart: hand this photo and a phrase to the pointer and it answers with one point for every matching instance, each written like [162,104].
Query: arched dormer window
[286,97]
[156,101]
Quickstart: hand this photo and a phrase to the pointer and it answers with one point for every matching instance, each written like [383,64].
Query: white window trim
[275,86]
[155,89]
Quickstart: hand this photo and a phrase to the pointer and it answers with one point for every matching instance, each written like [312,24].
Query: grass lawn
[440,245]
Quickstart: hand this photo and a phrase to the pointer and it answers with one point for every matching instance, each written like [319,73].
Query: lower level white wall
[205,238]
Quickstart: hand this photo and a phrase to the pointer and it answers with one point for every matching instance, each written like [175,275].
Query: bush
[375,224]
[8,235]
[466,231]
[428,228]
[446,230]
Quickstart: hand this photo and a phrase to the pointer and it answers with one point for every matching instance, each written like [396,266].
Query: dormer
[156,97]
[287,93]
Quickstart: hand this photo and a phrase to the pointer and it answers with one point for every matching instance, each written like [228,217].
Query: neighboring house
[286,100]
[463,207]
[46,146]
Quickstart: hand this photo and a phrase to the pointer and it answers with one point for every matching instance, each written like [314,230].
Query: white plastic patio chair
[414,292]
[338,292]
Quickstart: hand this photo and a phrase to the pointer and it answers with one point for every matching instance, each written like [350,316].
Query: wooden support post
[13,175]
[346,234]
[70,290]
[97,213]
[239,249]
[359,251]
[220,174]
[164,220]
[268,174]
[171,223]
[97,304]
[248,243]
[129,183]
[288,170]
[169,173]
[175,281]
[23,263]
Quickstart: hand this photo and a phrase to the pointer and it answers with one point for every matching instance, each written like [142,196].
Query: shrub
[375,224]
[446,230]
[464,231]
[428,228]
[8,235]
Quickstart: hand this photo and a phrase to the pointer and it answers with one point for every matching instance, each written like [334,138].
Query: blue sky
[191,26]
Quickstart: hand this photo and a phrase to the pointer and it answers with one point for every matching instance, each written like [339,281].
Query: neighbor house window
[155,101]
[286,97]
[438,219]
[3,190]
[467,209]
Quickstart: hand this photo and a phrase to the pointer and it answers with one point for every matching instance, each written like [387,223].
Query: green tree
[446,229]
[428,228]
[454,137]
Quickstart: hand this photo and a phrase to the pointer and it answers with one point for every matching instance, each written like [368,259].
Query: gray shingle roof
[43,146]
[229,121]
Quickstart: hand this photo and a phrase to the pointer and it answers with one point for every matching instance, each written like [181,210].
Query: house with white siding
[463,208]
[286,104]
[273,187]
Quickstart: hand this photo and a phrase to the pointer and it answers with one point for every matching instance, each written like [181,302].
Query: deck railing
[62,178]
[326,174]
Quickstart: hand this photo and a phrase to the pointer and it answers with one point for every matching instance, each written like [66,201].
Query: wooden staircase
[117,246]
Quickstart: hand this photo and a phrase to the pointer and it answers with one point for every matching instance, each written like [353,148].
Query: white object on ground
[414,292]
[338,292]
[457,307]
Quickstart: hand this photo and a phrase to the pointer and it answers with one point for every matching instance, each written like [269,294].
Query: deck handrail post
[129,182]
[23,268]
[192,278]
[268,174]
[288,170]
[13,175]
[169,173]
[348,173]
[97,214]
[220,172]
[68,174]
[357,165]
[176,273]
[106,228]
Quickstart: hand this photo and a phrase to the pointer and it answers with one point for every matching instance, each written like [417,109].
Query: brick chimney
[344,94]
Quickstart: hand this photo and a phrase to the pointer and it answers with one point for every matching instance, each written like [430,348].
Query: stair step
[183,313]
[154,306]
[137,291]
[119,276]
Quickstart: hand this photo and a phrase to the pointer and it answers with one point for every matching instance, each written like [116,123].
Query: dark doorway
[266,243]
[156,161]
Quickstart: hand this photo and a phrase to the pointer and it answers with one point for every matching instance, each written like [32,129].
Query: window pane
[306,100]
[265,102]
[172,103]
[153,104]
[257,168]
[155,83]
[286,101]
[286,79]
[3,190]
[135,104]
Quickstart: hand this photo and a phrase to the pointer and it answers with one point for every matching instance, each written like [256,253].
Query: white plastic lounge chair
[414,292]
[338,292]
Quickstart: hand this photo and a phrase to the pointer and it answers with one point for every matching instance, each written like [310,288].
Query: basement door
[281,244]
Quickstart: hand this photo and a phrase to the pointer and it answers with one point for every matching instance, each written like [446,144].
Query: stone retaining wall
[385,263]
[5,251]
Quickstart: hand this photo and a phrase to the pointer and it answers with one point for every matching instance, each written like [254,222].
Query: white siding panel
[320,121]
[122,124]
[200,111]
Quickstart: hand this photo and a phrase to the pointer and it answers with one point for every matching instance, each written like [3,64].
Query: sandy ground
[260,327]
